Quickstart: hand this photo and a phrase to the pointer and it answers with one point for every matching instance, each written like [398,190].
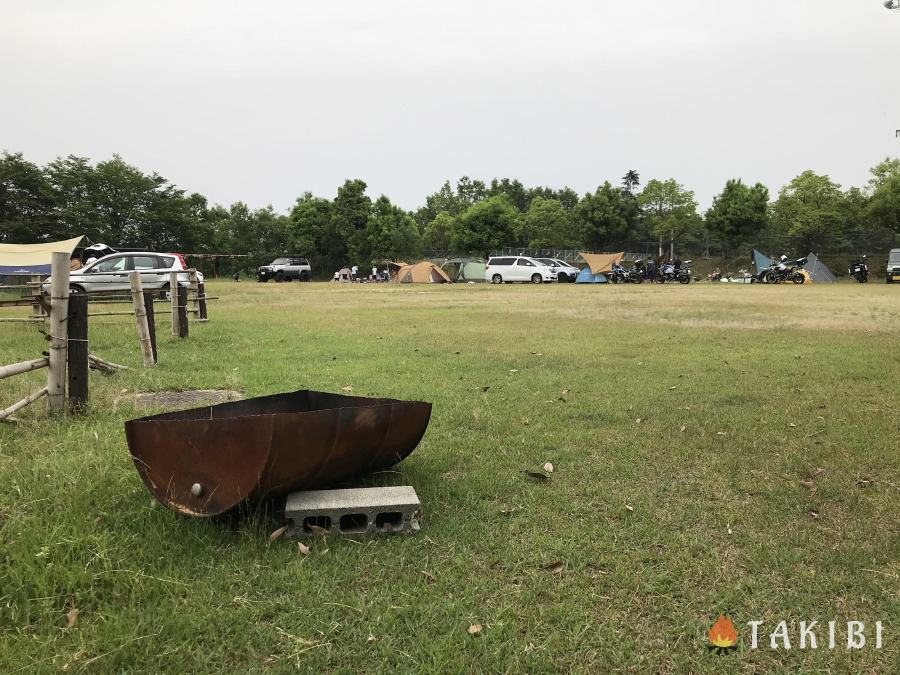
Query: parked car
[503,269]
[110,273]
[565,272]
[285,269]
[893,266]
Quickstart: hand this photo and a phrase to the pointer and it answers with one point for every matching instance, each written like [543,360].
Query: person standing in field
[353,271]
[374,273]
[651,269]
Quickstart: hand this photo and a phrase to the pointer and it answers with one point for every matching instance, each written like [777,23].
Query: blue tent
[585,277]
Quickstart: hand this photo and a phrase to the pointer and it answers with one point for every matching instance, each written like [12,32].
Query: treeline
[115,203]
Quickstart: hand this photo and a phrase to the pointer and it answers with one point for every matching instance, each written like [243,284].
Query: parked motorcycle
[859,270]
[622,275]
[783,271]
[669,272]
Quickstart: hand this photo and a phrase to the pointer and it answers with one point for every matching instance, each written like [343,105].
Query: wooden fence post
[195,294]
[182,312]
[202,297]
[151,323]
[173,298]
[140,317]
[36,309]
[59,313]
[78,353]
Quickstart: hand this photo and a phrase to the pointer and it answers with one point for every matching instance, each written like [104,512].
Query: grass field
[693,414]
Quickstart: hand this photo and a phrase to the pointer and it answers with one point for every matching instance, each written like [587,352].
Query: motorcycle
[669,272]
[622,275]
[859,270]
[783,271]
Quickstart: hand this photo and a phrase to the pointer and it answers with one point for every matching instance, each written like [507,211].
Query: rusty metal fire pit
[208,461]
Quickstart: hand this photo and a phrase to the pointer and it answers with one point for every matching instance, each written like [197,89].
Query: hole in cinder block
[320,522]
[392,520]
[354,522]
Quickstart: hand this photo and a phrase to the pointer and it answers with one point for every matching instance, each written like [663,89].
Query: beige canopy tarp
[421,273]
[33,258]
[601,263]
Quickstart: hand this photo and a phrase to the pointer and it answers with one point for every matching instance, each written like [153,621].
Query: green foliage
[547,225]
[883,210]
[670,211]
[436,238]
[391,234]
[739,213]
[486,225]
[26,201]
[606,218]
[809,210]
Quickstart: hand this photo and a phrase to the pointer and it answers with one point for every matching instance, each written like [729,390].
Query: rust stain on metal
[245,451]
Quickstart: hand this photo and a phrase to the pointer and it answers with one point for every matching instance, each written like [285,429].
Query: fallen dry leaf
[809,485]
[721,433]
[629,507]
[371,637]
[813,514]
[303,548]
[683,428]
[475,629]
[513,370]
[548,467]
[539,477]
[429,576]
[818,472]
[863,482]
[72,617]
[792,425]
[673,387]
[637,421]
[277,533]
[555,568]
[348,388]
[484,389]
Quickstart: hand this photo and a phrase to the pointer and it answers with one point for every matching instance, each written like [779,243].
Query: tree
[739,214]
[436,239]
[606,218]
[391,234]
[883,208]
[669,210]
[808,212]
[513,190]
[350,214]
[631,181]
[547,225]
[486,225]
[26,202]
[312,233]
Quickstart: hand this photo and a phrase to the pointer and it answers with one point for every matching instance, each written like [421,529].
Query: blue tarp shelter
[761,261]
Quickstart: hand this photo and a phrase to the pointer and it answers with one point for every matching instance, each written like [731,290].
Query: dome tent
[421,273]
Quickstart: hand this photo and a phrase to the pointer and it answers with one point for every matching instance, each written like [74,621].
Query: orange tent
[601,263]
[421,273]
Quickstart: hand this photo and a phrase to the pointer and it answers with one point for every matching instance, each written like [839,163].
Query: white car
[504,269]
[110,273]
[565,272]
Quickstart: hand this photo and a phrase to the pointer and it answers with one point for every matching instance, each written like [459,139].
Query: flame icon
[722,634]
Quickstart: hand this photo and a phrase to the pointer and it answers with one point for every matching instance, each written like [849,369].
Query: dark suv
[893,266]
[285,269]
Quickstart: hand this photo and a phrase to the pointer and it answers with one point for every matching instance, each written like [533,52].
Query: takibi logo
[722,634]
[809,635]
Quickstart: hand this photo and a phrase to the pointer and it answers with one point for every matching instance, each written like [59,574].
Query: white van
[505,269]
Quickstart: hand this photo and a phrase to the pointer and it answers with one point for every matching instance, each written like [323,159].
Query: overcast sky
[261,100]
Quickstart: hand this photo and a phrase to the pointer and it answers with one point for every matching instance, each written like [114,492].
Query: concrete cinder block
[356,511]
